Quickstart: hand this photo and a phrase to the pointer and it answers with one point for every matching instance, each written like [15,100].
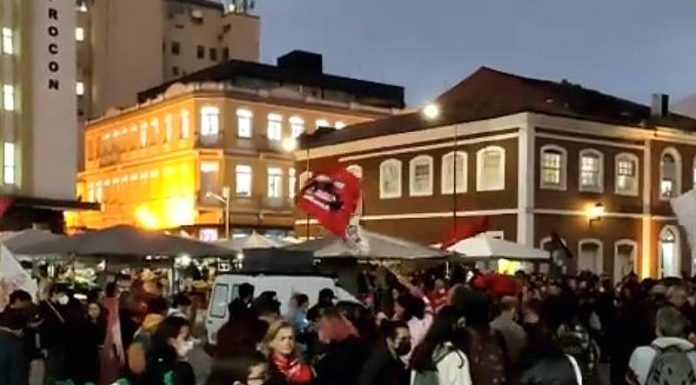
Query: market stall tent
[487,247]
[253,241]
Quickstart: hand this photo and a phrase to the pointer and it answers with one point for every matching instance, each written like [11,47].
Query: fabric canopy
[124,240]
[27,238]
[486,247]
[253,241]
[375,246]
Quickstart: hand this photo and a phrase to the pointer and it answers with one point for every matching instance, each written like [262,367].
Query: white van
[226,288]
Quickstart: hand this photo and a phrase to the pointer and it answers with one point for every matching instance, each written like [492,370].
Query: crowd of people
[464,329]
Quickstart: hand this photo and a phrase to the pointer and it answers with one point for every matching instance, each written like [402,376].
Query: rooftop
[489,93]
[298,68]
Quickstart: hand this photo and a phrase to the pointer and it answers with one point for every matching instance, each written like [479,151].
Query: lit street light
[431,111]
[225,199]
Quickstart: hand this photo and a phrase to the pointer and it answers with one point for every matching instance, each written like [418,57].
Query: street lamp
[289,144]
[225,199]
[595,212]
[431,111]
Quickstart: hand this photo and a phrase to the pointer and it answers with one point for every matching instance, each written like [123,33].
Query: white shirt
[643,357]
[453,369]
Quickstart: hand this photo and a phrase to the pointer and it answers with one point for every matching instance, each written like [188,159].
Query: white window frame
[185,124]
[168,128]
[246,170]
[9,163]
[679,169]
[677,249]
[79,34]
[600,172]
[355,170]
[8,97]
[7,41]
[446,185]
[626,156]
[563,169]
[274,130]
[292,181]
[600,250]
[624,242]
[210,121]
[274,179]
[428,191]
[500,185]
[244,123]
[143,135]
[297,126]
[387,163]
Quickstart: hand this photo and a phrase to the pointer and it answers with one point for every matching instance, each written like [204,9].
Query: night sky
[630,48]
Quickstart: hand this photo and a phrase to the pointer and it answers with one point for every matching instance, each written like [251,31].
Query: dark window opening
[225,54]
[176,48]
[175,71]
[213,54]
[200,52]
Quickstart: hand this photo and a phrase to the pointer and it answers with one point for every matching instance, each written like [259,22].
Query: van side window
[218,302]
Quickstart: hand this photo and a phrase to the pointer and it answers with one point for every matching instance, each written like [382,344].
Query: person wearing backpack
[670,359]
[440,359]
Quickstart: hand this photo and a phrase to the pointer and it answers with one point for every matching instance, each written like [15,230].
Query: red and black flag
[331,197]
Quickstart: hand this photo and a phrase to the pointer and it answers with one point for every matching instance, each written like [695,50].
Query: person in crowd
[343,350]
[93,334]
[268,312]
[130,308]
[298,313]
[441,357]
[284,362]
[634,329]
[514,335]
[241,307]
[438,295]
[411,309]
[171,345]
[61,327]
[245,368]
[139,351]
[385,366]
[670,358]
[112,356]
[15,356]
[326,299]
[181,306]
[486,347]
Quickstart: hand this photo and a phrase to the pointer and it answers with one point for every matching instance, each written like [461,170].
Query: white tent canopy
[486,247]
[253,241]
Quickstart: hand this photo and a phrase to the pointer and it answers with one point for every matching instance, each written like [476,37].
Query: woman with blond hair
[284,362]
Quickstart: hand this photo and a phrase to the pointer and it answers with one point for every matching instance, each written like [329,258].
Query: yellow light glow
[289,144]
[595,212]
[431,111]
[146,218]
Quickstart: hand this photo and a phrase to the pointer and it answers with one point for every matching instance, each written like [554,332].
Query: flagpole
[454,182]
[307,175]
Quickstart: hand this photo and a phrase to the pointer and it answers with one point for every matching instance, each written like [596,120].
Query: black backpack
[672,366]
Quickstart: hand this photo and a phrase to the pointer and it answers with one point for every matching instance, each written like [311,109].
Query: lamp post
[595,212]
[225,199]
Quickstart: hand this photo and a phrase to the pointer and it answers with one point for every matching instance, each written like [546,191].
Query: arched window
[390,179]
[590,256]
[448,173]
[624,258]
[670,173]
[490,169]
[553,161]
[355,170]
[421,176]
[626,174]
[591,170]
[670,255]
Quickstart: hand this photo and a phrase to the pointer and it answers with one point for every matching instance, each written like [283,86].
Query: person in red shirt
[438,296]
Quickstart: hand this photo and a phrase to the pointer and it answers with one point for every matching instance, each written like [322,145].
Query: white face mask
[184,348]
[63,300]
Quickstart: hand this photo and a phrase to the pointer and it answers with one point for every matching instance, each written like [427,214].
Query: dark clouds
[631,48]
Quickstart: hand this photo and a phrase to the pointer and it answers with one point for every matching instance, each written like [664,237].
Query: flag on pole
[331,197]
[13,277]
[463,231]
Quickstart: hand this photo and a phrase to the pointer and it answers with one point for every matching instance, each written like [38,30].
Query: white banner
[13,277]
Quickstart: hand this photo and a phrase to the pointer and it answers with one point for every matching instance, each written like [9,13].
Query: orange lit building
[229,127]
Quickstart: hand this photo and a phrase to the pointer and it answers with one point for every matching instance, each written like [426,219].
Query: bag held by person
[672,366]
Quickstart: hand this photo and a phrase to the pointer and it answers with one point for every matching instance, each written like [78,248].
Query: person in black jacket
[384,366]
[343,351]
[171,344]
[60,329]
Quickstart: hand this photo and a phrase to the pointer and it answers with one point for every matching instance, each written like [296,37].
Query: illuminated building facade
[229,127]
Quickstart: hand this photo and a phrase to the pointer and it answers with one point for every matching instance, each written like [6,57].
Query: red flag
[499,285]
[331,197]
[464,231]
[5,204]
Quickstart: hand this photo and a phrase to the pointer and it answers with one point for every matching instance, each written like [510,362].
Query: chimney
[660,106]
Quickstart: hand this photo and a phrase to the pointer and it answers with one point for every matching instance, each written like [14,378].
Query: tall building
[127,46]
[533,156]
[222,135]
[38,124]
